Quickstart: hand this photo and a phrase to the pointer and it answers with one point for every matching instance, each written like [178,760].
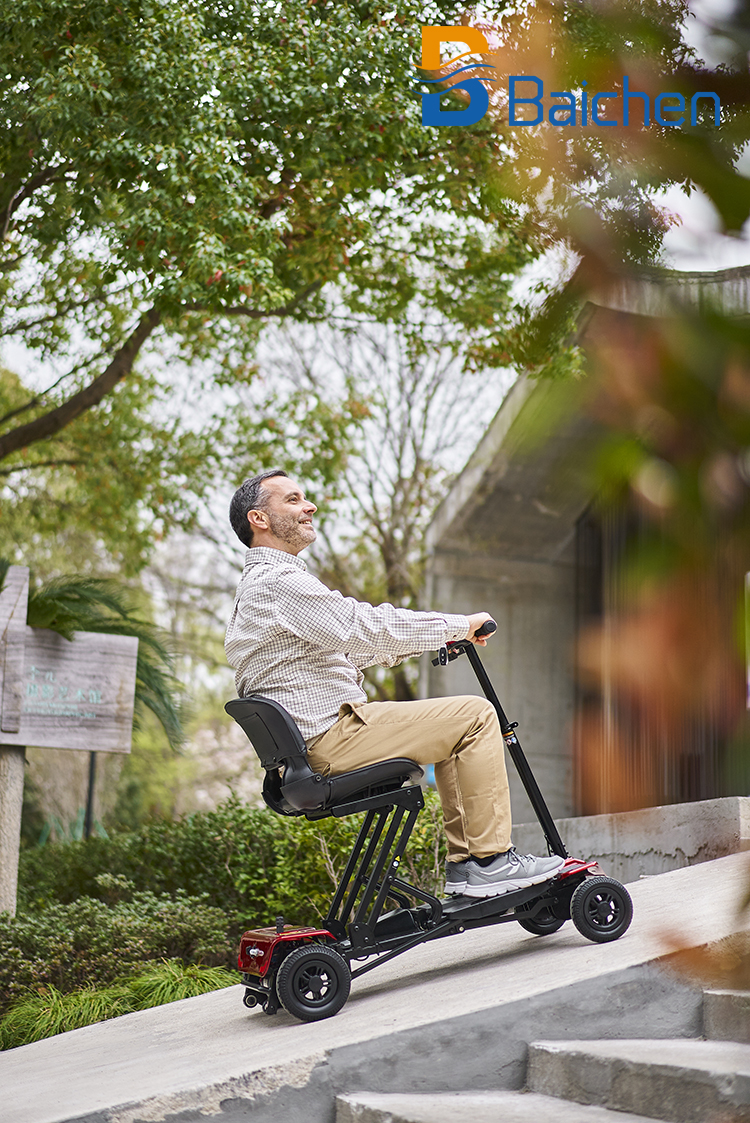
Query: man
[294,640]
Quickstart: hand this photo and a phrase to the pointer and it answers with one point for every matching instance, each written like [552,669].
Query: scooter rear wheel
[313,982]
[543,924]
[601,909]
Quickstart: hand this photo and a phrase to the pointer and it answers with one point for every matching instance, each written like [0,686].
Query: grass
[46,1012]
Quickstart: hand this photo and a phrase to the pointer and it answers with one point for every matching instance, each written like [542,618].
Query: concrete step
[679,1080]
[726,1015]
[471,1107]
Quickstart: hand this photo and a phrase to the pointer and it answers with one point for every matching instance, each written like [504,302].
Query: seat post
[346,877]
[364,914]
[371,872]
[395,862]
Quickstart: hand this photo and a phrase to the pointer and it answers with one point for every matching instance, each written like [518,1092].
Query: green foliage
[150,781]
[95,495]
[249,863]
[162,192]
[89,942]
[182,134]
[49,1012]
[173,981]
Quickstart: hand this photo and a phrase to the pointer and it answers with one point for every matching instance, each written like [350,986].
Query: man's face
[289,514]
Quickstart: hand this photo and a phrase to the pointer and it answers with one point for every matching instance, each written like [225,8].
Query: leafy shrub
[250,863]
[69,946]
[49,1012]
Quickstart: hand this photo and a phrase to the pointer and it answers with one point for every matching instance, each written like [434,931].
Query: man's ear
[257,519]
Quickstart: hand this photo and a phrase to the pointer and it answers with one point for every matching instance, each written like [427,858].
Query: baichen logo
[527,104]
[479,99]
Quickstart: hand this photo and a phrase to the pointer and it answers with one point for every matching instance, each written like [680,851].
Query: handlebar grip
[487,628]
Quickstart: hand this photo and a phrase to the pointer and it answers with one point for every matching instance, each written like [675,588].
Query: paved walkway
[454,1015]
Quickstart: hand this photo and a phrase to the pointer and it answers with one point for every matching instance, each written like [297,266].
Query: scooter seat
[290,786]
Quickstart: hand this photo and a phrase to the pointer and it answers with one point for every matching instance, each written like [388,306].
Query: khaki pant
[460,736]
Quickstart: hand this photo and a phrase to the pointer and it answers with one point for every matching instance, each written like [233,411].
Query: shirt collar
[257,554]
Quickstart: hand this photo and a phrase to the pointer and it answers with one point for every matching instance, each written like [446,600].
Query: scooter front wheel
[313,982]
[601,909]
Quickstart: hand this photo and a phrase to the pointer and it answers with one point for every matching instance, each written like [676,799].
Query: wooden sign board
[58,693]
[76,694]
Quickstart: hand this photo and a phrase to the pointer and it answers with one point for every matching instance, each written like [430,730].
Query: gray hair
[250,496]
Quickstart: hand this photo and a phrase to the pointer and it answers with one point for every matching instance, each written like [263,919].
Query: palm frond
[87,604]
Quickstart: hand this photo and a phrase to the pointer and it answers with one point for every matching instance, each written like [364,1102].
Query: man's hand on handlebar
[481,625]
[476,621]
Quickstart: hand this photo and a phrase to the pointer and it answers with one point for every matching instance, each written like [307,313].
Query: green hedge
[90,943]
[249,863]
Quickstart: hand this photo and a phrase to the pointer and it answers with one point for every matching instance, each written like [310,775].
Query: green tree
[174,175]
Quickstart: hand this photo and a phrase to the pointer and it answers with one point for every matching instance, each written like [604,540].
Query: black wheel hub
[603,911]
[313,984]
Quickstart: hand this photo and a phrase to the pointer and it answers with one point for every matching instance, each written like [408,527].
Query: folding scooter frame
[314,983]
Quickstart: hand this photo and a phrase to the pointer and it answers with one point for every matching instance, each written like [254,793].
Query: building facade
[519,535]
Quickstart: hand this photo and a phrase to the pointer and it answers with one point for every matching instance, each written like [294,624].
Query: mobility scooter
[308,970]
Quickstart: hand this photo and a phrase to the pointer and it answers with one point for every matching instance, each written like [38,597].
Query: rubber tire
[543,924]
[313,982]
[601,909]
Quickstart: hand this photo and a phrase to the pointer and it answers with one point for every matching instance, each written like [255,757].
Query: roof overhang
[527,483]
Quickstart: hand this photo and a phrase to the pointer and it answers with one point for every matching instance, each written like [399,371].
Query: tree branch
[258,313]
[60,311]
[20,409]
[11,263]
[37,464]
[47,175]
[36,400]
[56,419]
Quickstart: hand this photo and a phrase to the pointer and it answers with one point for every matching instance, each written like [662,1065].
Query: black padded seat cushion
[290,786]
[386,775]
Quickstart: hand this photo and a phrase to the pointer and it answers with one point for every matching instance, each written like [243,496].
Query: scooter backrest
[272,732]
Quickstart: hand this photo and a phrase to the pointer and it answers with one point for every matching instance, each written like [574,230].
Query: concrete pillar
[12,760]
[528,658]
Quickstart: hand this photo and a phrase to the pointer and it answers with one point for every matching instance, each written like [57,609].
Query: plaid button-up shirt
[298,642]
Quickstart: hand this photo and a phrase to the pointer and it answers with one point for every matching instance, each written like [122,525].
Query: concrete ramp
[456,1015]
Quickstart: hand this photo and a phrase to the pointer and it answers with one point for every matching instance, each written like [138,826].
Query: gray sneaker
[509,871]
[455,878]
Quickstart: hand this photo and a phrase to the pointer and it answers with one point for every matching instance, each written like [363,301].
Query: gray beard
[287,530]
